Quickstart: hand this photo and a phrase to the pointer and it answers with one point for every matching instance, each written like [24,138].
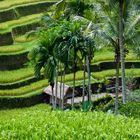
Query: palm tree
[110,33]
[44,55]
[91,49]
[121,42]
[42,59]
[56,87]
[125,9]
[84,78]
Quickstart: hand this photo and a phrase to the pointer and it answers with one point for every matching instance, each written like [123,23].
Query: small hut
[67,94]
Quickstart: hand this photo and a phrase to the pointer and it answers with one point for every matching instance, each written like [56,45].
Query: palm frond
[59,9]
[37,69]
[132,25]
[49,69]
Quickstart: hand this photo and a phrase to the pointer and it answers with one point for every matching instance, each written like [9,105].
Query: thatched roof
[67,90]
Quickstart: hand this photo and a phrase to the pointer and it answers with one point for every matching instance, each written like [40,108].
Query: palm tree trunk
[63,89]
[117,84]
[73,90]
[84,78]
[61,86]
[53,96]
[55,105]
[121,30]
[74,75]
[89,80]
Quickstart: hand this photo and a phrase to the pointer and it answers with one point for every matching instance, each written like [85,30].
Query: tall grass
[39,122]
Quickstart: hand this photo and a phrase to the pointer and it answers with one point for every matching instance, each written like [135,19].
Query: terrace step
[38,85]
[6,4]
[16,48]
[29,99]
[18,84]
[9,25]
[18,31]
[15,56]
[112,65]
[26,77]
[24,10]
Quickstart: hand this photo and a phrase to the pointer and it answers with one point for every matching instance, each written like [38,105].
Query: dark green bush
[101,102]
[131,109]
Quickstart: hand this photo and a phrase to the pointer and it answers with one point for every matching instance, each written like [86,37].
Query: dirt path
[94,97]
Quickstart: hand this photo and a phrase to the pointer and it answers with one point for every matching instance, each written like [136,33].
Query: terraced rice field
[15,23]
[16,78]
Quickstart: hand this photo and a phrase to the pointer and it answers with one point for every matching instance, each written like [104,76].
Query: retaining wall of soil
[24,10]
[11,62]
[6,39]
[20,102]
[21,30]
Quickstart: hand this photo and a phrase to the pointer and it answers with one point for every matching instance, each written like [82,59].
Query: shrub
[131,109]
[101,102]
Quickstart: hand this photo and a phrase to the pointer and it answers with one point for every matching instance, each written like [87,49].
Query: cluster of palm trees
[68,37]
[62,45]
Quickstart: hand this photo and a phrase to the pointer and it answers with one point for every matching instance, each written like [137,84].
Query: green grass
[6,4]
[39,122]
[7,26]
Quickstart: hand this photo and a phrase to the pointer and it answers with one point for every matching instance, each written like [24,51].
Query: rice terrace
[69,70]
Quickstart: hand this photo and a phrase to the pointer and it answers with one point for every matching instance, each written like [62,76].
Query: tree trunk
[89,80]
[55,105]
[63,90]
[61,86]
[74,75]
[84,78]
[117,81]
[121,31]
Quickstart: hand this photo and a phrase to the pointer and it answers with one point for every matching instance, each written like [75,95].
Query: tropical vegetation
[93,46]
